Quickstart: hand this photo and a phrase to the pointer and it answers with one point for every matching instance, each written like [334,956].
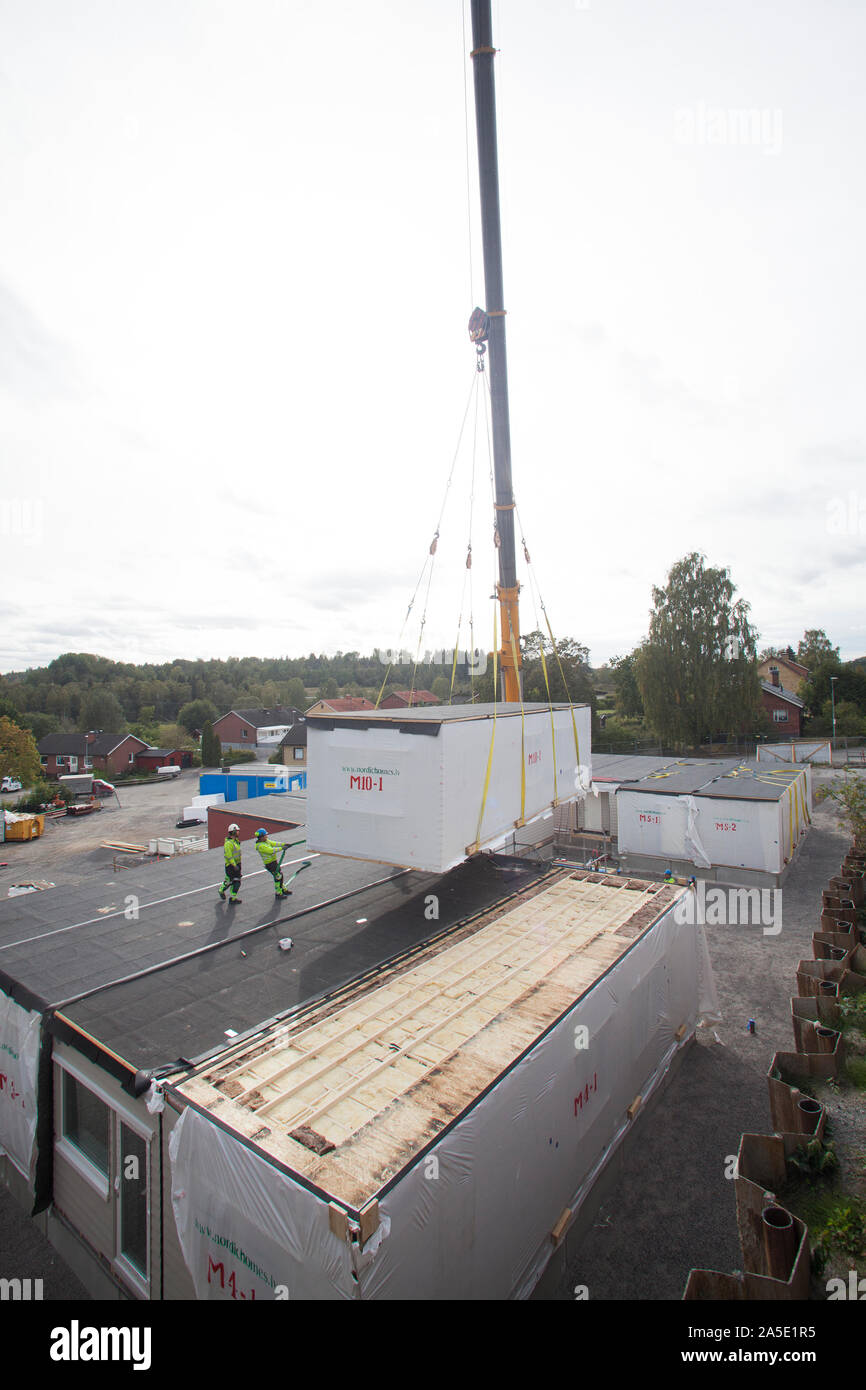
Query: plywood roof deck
[348,1094]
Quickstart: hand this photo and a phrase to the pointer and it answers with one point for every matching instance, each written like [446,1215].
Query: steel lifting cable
[553,645]
[492,736]
[541,650]
[497,542]
[431,554]
[467,573]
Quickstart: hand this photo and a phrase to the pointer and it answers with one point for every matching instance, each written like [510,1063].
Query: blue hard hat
[261,831]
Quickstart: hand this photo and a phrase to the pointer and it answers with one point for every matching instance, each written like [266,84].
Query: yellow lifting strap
[565,688]
[522,735]
[475,847]
[552,724]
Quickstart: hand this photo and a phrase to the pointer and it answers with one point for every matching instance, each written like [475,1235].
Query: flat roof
[730,778]
[436,714]
[628,767]
[683,778]
[64,942]
[753,782]
[349,1094]
[283,806]
[167,981]
[241,978]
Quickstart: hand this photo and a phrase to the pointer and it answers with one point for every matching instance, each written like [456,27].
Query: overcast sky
[234,287]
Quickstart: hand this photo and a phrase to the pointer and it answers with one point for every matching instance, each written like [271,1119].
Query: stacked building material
[774,1242]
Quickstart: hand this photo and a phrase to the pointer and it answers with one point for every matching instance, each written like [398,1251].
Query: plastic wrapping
[19,1069]
[747,833]
[246,1229]
[425,799]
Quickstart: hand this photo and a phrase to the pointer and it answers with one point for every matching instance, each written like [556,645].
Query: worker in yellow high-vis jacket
[232,854]
[271,857]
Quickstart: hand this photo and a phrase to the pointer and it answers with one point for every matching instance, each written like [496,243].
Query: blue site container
[244,785]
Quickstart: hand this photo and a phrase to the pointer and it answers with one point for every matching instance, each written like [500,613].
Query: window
[243,733]
[85,1128]
[298,754]
[44,762]
[131,758]
[780,716]
[132,1200]
[109,1146]
[88,762]
[73,763]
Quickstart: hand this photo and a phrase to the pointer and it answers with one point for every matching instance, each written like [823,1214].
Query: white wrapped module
[426,787]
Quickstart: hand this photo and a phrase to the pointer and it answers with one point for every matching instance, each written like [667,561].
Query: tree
[196,714]
[815,646]
[101,710]
[849,719]
[10,711]
[211,748]
[851,796]
[624,676]
[41,724]
[19,756]
[296,695]
[696,671]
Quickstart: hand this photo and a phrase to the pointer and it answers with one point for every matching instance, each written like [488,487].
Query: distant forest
[79,691]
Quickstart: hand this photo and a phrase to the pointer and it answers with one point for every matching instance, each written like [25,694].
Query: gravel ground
[70,850]
[673,1209]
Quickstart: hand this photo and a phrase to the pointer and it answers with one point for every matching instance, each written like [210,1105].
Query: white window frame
[72,762]
[109,1187]
[780,716]
[299,753]
[99,1181]
[130,1272]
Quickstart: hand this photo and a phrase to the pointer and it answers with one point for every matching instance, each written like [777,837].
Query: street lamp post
[833,680]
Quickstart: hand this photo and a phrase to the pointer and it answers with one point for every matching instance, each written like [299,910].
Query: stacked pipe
[774,1242]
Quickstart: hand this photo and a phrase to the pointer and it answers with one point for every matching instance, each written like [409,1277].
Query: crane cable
[497,542]
[555,649]
[467,573]
[431,556]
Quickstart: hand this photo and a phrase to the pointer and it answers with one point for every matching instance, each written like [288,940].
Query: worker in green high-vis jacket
[232,855]
[271,855]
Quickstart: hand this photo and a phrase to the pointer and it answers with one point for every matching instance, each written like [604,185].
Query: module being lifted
[426,787]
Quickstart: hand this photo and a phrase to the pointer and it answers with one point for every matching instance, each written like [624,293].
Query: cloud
[33,363]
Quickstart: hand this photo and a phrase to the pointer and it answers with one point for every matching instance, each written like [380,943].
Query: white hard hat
[233,827]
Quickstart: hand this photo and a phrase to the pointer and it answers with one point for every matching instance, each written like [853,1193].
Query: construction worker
[669,877]
[271,855]
[232,853]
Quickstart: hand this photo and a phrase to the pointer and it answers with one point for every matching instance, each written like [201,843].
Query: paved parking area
[70,849]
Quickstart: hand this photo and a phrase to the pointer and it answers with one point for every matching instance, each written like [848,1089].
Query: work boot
[234,900]
[222,894]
